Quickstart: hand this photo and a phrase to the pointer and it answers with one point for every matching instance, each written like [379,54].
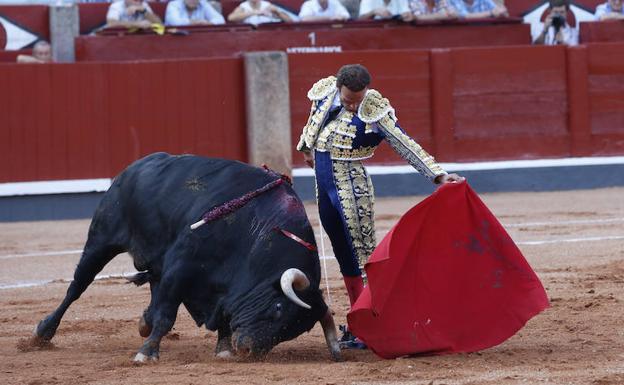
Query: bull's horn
[329,329]
[297,279]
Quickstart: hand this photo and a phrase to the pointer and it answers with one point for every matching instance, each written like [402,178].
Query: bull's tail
[140,278]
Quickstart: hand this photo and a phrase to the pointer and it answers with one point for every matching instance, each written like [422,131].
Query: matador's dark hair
[353,76]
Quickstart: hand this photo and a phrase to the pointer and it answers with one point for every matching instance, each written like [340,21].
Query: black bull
[239,274]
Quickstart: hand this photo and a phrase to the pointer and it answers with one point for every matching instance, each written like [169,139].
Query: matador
[347,122]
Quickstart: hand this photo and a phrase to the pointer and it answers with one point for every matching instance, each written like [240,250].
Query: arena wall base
[48,207]
[403,182]
[487,181]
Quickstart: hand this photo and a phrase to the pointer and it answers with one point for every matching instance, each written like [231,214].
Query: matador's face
[351,100]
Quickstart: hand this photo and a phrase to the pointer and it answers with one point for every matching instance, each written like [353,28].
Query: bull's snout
[246,348]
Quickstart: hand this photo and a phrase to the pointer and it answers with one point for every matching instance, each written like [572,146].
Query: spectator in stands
[478,9]
[611,10]
[131,13]
[258,12]
[41,53]
[555,29]
[323,10]
[385,9]
[432,10]
[192,12]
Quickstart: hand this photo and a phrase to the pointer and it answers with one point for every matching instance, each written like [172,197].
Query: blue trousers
[345,201]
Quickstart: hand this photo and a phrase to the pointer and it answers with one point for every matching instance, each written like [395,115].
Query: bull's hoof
[225,355]
[141,358]
[337,356]
[46,328]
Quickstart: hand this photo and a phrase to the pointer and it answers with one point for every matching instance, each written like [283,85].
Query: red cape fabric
[446,279]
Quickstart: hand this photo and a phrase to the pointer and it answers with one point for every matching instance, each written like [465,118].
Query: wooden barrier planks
[90,120]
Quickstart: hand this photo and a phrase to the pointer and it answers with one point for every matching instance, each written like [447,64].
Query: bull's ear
[275,284]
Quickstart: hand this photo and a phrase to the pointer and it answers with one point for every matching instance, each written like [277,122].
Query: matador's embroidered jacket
[352,136]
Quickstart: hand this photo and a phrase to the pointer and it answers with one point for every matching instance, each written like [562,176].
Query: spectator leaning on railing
[555,29]
[611,10]
[432,10]
[478,9]
[385,9]
[192,12]
[131,13]
[41,53]
[323,10]
[258,12]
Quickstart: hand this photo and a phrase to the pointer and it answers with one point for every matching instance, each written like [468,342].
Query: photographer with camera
[131,14]
[555,29]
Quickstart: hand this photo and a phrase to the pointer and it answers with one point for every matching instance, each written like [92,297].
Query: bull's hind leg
[93,260]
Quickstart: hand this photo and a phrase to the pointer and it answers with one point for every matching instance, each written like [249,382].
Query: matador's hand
[449,178]
[309,159]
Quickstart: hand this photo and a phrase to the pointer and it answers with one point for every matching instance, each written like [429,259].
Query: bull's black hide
[228,273]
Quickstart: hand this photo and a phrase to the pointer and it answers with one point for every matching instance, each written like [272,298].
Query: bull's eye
[278,311]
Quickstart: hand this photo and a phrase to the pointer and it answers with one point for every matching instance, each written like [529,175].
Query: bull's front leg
[146,320]
[150,350]
[164,309]
[224,343]
[163,322]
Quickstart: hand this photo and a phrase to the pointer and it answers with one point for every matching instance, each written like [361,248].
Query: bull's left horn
[297,279]
[329,329]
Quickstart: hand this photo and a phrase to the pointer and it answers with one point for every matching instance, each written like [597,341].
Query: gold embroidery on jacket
[322,88]
[408,149]
[349,154]
[356,195]
[312,128]
[322,96]
[374,107]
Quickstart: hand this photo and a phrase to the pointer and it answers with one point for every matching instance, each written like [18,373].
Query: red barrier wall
[77,121]
[601,31]
[87,120]
[11,56]
[506,103]
[217,42]
[471,104]
[605,92]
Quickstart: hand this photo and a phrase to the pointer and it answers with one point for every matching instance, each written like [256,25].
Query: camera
[558,21]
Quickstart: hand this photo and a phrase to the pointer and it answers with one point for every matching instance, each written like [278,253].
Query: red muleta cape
[446,279]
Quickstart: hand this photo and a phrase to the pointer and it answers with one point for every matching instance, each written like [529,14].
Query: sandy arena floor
[574,241]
